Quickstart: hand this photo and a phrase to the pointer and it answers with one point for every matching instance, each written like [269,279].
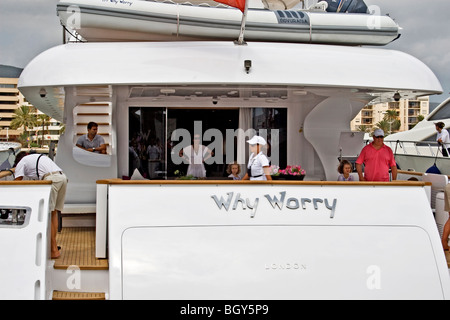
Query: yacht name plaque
[233,202]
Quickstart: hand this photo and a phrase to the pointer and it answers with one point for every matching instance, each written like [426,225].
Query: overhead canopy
[376,71]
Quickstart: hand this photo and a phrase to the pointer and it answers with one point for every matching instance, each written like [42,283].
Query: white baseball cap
[257,140]
[378,133]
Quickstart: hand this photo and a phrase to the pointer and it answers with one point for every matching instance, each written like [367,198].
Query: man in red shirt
[377,159]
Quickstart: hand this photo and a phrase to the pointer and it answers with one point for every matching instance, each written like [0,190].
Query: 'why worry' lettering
[277,202]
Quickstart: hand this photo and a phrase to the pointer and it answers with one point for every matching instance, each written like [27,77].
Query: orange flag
[240,4]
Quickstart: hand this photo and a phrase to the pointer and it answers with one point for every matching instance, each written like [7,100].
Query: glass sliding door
[212,126]
[154,154]
[271,123]
[147,145]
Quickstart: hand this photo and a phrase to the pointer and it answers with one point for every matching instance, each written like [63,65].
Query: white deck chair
[438,184]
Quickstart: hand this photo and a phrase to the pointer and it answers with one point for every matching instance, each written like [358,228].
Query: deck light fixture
[247,65]
[397,96]
[42,92]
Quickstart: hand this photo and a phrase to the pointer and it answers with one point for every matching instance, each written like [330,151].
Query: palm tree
[25,117]
[44,121]
[396,125]
[419,118]
[62,129]
[363,128]
[383,125]
[391,117]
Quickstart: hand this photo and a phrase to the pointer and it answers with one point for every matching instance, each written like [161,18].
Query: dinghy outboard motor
[350,6]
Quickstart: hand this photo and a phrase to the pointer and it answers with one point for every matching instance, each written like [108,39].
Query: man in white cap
[258,164]
[377,158]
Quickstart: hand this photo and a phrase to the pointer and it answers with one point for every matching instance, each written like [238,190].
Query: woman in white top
[258,164]
[196,154]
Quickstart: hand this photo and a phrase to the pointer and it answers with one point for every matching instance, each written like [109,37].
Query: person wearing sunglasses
[377,158]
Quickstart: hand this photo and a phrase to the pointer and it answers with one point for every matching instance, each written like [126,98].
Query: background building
[45,131]
[10,100]
[408,113]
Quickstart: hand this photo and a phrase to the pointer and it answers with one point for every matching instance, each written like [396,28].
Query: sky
[29,27]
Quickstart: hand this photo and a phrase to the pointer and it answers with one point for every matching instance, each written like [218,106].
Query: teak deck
[63,295]
[78,249]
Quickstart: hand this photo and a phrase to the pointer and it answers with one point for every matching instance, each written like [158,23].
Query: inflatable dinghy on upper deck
[120,20]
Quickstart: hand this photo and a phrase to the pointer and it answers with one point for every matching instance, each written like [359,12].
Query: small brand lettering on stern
[286,266]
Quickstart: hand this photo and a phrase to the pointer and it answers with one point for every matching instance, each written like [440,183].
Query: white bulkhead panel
[25,242]
[278,262]
[262,241]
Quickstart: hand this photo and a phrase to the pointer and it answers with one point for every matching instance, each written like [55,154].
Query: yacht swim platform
[78,250]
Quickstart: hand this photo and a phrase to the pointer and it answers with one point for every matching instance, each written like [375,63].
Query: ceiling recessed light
[167,91]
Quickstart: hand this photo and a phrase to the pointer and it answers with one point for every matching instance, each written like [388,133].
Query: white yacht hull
[240,241]
[309,240]
[227,240]
[421,163]
[419,156]
[416,149]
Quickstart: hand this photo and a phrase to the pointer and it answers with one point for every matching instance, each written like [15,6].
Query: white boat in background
[99,20]
[416,149]
[215,238]
[8,150]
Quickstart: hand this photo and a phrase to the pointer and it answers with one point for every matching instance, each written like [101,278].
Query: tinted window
[442,113]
